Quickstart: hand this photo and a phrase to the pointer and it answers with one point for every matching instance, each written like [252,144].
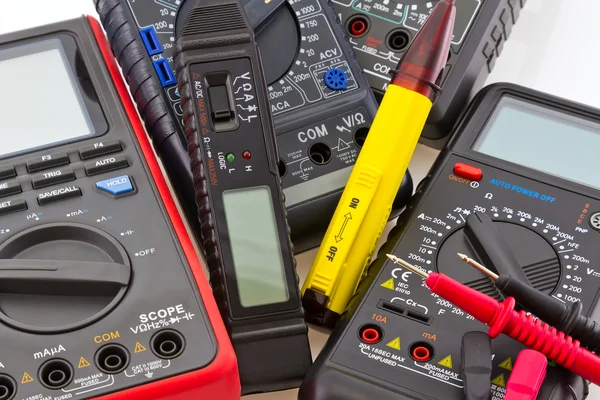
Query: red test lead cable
[502,318]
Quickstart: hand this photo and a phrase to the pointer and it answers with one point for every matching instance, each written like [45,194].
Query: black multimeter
[238,192]
[527,160]
[321,102]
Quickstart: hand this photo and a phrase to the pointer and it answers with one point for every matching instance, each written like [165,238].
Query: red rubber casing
[527,376]
[220,380]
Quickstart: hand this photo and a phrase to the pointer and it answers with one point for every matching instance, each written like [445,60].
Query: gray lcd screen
[254,240]
[40,101]
[543,139]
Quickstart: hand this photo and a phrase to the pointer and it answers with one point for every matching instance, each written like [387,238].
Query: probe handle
[555,345]
[567,318]
[476,366]
[540,304]
[531,332]
[583,328]
[527,376]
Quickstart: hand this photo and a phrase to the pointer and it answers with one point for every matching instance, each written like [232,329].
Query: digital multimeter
[320,100]
[238,191]
[380,31]
[528,161]
[101,292]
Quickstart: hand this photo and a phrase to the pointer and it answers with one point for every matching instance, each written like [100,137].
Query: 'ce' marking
[404,275]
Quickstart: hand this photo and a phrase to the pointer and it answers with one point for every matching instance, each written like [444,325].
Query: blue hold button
[116,186]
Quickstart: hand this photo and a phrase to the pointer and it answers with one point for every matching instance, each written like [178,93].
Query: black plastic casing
[308,214]
[270,341]
[349,369]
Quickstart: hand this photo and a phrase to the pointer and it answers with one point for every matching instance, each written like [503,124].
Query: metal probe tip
[478,266]
[408,266]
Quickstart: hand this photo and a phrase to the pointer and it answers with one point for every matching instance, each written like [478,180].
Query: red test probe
[496,254]
[501,317]
[527,376]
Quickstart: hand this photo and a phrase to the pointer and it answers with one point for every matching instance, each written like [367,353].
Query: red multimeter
[101,292]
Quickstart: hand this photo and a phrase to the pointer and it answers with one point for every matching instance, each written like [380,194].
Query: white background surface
[554,48]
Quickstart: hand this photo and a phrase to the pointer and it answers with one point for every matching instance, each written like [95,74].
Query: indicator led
[246,155]
[230,157]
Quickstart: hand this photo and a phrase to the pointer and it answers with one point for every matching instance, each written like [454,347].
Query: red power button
[468,171]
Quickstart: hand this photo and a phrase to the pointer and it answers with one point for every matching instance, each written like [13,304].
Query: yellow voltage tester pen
[366,202]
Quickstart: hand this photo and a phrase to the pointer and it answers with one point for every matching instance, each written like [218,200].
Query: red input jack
[358,26]
[421,354]
[371,334]
[421,351]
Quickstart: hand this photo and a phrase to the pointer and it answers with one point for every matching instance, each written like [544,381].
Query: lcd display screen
[40,100]
[543,139]
[254,240]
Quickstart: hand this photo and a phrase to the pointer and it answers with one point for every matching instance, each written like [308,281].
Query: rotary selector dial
[538,258]
[555,260]
[59,277]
